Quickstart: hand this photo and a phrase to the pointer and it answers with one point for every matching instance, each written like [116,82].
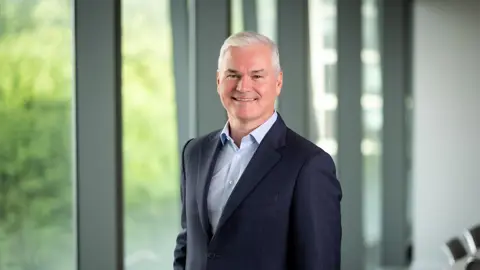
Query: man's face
[248,83]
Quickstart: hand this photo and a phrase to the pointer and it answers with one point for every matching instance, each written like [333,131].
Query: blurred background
[97,99]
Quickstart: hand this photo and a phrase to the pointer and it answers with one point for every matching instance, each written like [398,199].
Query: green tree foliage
[36,128]
[35,146]
[150,141]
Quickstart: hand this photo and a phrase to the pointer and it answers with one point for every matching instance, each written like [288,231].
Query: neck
[240,129]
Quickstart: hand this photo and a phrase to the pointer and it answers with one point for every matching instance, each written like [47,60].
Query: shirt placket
[228,182]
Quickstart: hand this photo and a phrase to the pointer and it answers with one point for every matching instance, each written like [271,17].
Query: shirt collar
[258,134]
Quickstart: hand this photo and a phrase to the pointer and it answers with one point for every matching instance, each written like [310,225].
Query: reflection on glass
[150,136]
[36,129]
[323,66]
[372,106]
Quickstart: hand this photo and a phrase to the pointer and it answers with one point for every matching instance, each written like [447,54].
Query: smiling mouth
[244,99]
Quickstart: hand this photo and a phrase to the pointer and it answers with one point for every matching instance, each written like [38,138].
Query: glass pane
[266,13]
[267,18]
[323,66]
[236,12]
[36,132]
[150,135]
[372,106]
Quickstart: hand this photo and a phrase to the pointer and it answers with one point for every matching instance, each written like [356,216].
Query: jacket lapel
[208,155]
[259,166]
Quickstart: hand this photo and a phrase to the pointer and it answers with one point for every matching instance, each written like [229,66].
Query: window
[267,18]
[151,167]
[372,106]
[236,18]
[323,65]
[36,135]
[265,15]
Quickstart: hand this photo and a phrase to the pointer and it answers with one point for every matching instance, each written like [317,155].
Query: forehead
[256,56]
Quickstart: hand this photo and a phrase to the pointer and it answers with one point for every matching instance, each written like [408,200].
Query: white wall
[446,177]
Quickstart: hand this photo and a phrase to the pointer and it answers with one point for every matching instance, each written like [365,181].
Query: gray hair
[247,38]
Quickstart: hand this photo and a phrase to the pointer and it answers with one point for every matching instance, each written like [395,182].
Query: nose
[244,84]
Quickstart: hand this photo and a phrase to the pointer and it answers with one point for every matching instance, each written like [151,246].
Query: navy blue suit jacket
[284,213]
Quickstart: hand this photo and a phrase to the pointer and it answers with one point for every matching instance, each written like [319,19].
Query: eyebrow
[237,72]
[232,71]
[258,71]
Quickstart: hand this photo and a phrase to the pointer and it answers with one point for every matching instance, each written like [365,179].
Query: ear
[279,83]
[218,80]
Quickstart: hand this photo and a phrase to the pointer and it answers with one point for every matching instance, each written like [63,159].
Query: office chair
[472,237]
[473,263]
[454,250]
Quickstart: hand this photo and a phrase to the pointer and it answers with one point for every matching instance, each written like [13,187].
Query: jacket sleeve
[180,252]
[316,232]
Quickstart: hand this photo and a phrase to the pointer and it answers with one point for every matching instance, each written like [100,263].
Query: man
[256,195]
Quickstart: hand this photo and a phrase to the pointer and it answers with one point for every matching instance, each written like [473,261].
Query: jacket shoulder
[302,147]
[194,144]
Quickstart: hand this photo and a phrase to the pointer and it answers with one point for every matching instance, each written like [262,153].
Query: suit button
[212,255]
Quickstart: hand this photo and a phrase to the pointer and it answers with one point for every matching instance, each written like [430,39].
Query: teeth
[244,99]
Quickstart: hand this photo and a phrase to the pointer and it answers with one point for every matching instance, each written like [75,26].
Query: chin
[245,113]
[244,116]
[250,118]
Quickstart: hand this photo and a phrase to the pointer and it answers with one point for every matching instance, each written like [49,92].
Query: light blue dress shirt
[231,163]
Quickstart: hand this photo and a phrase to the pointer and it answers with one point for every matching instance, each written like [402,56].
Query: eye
[256,77]
[232,76]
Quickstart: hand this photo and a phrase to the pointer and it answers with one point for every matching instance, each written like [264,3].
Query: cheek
[227,86]
[266,92]
[225,90]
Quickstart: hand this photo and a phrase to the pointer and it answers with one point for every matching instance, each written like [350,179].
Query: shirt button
[231,183]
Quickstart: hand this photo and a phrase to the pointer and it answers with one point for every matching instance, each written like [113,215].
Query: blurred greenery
[36,131]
